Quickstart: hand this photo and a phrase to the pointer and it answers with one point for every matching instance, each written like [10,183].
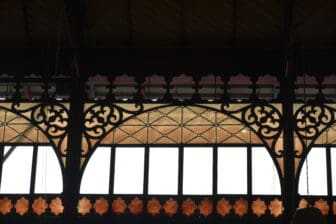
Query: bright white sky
[163,171]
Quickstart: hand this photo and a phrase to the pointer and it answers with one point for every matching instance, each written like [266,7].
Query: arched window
[162,167]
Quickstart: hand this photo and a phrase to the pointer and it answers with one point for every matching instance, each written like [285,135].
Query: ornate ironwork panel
[35,123]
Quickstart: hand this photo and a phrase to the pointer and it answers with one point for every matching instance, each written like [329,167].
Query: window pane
[163,171]
[316,172]
[129,170]
[16,170]
[197,171]
[232,170]
[48,171]
[96,176]
[265,178]
[333,170]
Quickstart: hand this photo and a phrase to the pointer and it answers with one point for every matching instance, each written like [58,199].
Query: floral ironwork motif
[153,206]
[5,206]
[39,205]
[119,206]
[311,121]
[170,207]
[240,207]
[205,207]
[101,206]
[136,206]
[322,205]
[188,207]
[275,207]
[223,207]
[101,118]
[303,203]
[52,118]
[84,206]
[22,206]
[259,207]
[264,119]
[56,206]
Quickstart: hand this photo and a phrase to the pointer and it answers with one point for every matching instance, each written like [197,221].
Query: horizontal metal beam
[147,61]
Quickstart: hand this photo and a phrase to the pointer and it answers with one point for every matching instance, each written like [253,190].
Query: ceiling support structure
[287,98]
[76,24]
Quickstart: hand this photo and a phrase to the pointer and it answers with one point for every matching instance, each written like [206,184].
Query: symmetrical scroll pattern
[264,119]
[101,118]
[51,118]
[176,124]
[48,120]
[311,121]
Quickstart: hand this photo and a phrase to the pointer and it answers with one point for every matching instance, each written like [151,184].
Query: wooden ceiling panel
[108,23]
[315,26]
[208,22]
[11,23]
[45,19]
[156,22]
[259,23]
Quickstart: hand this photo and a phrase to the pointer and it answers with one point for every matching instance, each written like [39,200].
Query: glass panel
[333,170]
[129,170]
[96,175]
[197,171]
[316,174]
[48,171]
[16,170]
[232,170]
[163,171]
[265,178]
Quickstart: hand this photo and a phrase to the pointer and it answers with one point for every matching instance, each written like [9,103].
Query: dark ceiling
[168,35]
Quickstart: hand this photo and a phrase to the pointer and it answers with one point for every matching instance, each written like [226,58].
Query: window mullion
[329,172]
[1,160]
[33,170]
[112,169]
[249,170]
[215,171]
[146,171]
[180,171]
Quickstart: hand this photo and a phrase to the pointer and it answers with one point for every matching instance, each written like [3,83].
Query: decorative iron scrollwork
[264,119]
[311,120]
[100,118]
[52,118]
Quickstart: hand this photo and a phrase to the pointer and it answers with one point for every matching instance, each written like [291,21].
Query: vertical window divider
[112,168]
[33,170]
[180,175]
[249,177]
[146,171]
[329,173]
[215,171]
[1,160]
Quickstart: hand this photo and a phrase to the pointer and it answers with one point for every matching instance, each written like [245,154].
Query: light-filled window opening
[96,177]
[129,170]
[232,170]
[18,168]
[265,177]
[167,169]
[313,175]
[48,177]
[163,171]
[197,170]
